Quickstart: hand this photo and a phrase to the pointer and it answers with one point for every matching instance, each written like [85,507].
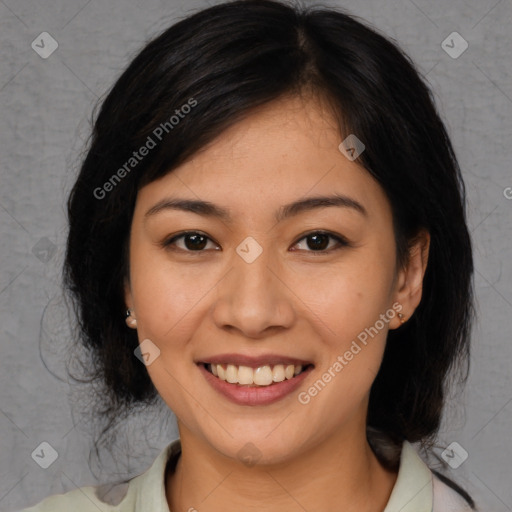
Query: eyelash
[168,243]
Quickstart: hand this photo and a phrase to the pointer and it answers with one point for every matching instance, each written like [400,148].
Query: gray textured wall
[45,108]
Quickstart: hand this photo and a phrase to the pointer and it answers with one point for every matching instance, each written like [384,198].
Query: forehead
[282,151]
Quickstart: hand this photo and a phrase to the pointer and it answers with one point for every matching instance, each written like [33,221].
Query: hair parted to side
[230,59]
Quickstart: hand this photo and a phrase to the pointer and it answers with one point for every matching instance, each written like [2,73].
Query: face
[258,284]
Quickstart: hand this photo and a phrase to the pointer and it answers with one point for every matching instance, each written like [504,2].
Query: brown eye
[192,241]
[195,242]
[319,242]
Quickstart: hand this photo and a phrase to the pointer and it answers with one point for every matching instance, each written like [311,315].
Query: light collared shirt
[416,489]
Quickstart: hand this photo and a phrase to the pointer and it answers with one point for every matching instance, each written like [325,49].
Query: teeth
[245,375]
[289,371]
[278,373]
[261,376]
[232,374]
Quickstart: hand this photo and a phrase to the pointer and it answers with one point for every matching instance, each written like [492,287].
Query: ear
[131,321]
[128,299]
[409,283]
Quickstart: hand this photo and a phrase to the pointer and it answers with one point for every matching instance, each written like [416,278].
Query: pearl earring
[130,322]
[401,318]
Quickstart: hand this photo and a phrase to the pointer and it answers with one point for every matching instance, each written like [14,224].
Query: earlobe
[131,321]
[410,280]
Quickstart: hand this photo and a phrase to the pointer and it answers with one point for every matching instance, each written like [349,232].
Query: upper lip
[253,361]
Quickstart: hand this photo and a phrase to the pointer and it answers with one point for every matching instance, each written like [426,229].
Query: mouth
[256,376]
[254,380]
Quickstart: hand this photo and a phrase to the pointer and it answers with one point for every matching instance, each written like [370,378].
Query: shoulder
[446,499]
[418,488]
[82,499]
[144,492]
[107,498]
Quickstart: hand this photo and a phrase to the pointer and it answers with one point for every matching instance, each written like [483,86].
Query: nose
[253,298]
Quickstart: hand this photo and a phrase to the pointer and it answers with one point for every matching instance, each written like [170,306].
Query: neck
[342,469]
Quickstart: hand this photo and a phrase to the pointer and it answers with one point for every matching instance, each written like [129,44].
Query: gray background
[46,105]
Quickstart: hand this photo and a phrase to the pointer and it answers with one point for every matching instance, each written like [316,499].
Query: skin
[292,300]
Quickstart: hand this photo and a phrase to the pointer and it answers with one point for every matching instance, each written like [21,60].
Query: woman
[268,232]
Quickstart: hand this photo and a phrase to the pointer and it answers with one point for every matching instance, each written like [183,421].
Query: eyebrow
[208,209]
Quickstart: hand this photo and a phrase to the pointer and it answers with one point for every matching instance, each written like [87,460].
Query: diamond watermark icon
[45,455]
[44,45]
[454,45]
[351,147]
[44,250]
[454,455]
[249,249]
[249,454]
[147,352]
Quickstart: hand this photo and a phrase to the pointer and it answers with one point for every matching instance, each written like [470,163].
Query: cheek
[349,298]
[169,307]
[166,296]
[352,339]
[346,305]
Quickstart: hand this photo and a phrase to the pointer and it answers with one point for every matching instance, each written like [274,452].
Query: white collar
[413,490]
[413,487]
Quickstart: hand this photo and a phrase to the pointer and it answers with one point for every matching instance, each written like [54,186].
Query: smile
[253,381]
[265,375]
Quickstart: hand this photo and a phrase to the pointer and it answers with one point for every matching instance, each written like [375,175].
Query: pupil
[198,241]
[318,246]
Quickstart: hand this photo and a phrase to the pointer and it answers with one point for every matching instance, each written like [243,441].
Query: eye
[193,241]
[318,241]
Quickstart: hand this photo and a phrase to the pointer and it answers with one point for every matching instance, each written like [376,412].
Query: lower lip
[257,395]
